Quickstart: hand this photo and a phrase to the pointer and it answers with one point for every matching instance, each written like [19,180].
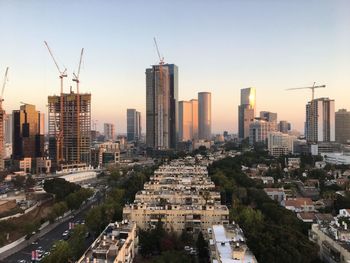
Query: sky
[220,46]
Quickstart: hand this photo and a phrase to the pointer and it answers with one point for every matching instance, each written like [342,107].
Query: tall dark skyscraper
[246,111]
[28,133]
[162,106]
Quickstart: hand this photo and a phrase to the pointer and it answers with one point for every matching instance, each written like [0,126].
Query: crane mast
[59,136]
[76,79]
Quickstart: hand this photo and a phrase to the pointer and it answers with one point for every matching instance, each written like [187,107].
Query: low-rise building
[300,204]
[227,245]
[116,244]
[276,194]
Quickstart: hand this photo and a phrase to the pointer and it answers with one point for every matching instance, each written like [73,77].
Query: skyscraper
[133,119]
[28,134]
[204,115]
[109,131]
[188,120]
[342,126]
[246,111]
[185,121]
[71,145]
[320,120]
[259,130]
[161,106]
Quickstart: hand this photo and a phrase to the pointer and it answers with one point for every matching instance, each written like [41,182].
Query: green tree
[62,253]
[202,247]
[77,241]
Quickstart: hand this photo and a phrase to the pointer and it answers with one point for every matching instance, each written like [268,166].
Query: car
[22,261]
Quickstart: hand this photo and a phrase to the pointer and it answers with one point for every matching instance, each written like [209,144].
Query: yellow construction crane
[76,79]
[59,136]
[312,89]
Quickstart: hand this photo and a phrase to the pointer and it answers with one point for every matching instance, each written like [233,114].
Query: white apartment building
[279,143]
[320,120]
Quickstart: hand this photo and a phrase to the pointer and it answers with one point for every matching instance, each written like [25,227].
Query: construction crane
[312,89]
[3,87]
[76,79]
[59,136]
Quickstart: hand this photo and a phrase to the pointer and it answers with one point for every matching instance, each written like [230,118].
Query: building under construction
[71,143]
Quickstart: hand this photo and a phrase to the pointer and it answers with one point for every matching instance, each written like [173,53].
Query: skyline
[271,46]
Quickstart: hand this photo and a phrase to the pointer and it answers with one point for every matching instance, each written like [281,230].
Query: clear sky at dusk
[219,46]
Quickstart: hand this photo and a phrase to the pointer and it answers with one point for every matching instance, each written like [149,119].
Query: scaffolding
[74,139]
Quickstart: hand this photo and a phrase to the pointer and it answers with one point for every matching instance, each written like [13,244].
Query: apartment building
[116,244]
[227,245]
[180,196]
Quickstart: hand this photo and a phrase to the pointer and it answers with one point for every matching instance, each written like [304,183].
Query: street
[46,241]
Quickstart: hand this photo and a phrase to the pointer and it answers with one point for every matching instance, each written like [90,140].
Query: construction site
[69,123]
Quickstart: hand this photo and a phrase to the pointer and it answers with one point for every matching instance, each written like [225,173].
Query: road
[49,239]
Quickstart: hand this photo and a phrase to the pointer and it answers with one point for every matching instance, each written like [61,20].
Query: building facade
[342,126]
[182,197]
[109,131]
[204,115]
[28,133]
[259,130]
[320,121]
[279,143]
[133,121]
[268,116]
[284,126]
[69,130]
[246,111]
[162,106]
[188,120]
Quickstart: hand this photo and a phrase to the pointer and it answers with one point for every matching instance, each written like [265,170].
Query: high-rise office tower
[133,119]
[284,126]
[204,115]
[188,120]
[28,133]
[71,144]
[109,131]
[246,111]
[320,120]
[342,126]
[161,106]
[185,121]
[268,116]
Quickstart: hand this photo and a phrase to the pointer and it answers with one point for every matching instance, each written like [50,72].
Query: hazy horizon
[219,46]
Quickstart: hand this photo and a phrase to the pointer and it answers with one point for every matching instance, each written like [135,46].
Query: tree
[18,181]
[62,253]
[202,247]
[94,219]
[77,241]
[30,182]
